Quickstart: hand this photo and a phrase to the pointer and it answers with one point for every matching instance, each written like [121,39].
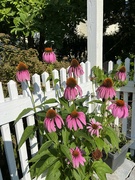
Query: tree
[122,43]
[53,19]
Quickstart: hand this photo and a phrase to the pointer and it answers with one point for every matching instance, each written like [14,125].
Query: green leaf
[67,178]
[23,17]
[103,108]
[66,151]
[45,146]
[82,109]
[96,101]
[76,175]
[48,79]
[65,103]
[110,119]
[41,114]
[39,156]
[53,136]
[55,81]
[65,136]
[23,113]
[47,163]
[26,134]
[49,101]
[99,142]
[64,113]
[35,168]
[81,100]
[72,108]
[113,138]
[54,172]
[101,168]
[81,134]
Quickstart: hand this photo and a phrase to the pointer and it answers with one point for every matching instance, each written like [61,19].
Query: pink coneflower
[121,74]
[106,90]
[49,56]
[94,127]
[76,120]
[53,120]
[119,109]
[72,90]
[77,157]
[22,73]
[75,68]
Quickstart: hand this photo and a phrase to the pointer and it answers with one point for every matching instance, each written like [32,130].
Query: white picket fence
[10,107]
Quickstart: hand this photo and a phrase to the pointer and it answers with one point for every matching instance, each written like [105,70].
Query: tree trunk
[30,42]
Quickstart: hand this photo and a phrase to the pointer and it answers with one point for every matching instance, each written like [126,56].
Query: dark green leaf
[96,101]
[45,146]
[64,103]
[81,100]
[65,136]
[113,138]
[49,101]
[41,114]
[23,113]
[99,142]
[82,109]
[47,163]
[76,175]
[101,168]
[55,81]
[66,151]
[53,136]
[54,172]
[81,134]
[26,134]
[39,156]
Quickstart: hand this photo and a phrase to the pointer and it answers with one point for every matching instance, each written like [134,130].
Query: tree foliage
[122,43]
[53,19]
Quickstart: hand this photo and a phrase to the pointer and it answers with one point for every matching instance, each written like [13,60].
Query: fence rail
[10,107]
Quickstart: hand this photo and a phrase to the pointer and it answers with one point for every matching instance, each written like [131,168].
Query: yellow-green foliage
[10,56]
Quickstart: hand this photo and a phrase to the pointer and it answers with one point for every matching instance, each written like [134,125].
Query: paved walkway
[125,172]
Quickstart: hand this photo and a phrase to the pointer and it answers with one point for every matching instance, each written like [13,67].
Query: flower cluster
[73,139]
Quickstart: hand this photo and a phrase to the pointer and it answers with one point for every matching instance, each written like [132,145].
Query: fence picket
[124,120]
[110,66]
[36,84]
[1,93]
[63,77]
[6,136]
[13,94]
[7,140]
[134,72]
[119,61]
[87,71]
[127,65]
[83,77]
[33,141]
[45,81]
[56,85]
[1,175]
[133,122]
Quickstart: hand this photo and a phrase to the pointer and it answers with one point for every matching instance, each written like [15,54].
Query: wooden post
[95,32]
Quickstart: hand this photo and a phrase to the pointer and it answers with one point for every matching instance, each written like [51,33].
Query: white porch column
[95,32]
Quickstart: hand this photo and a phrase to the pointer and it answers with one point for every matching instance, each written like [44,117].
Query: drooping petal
[79,124]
